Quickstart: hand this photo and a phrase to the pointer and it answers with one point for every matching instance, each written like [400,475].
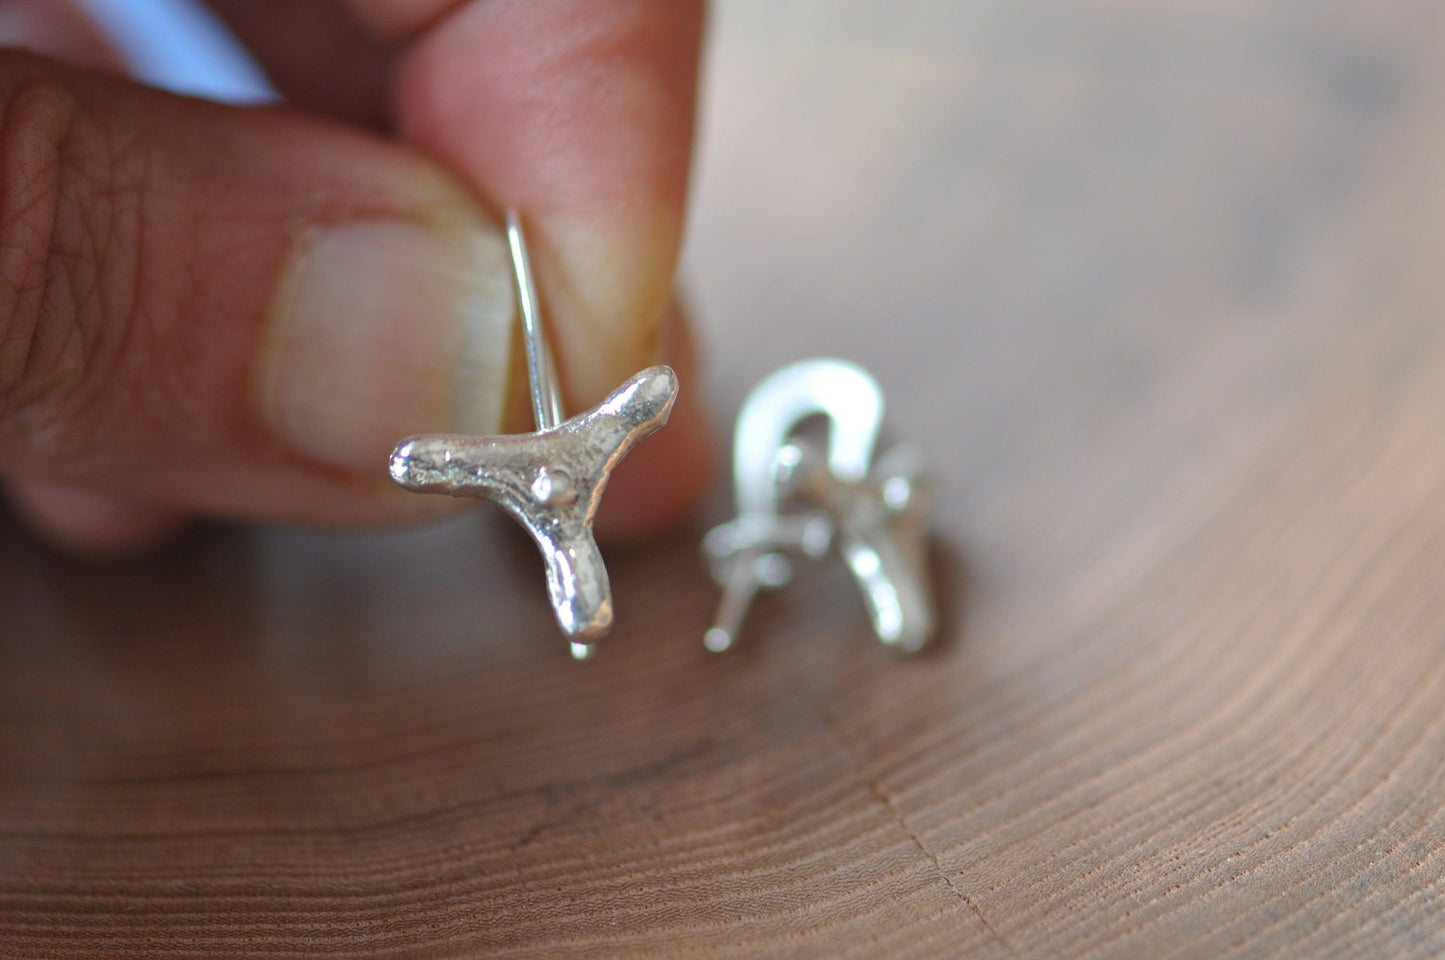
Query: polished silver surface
[843,392]
[874,513]
[881,534]
[746,556]
[550,481]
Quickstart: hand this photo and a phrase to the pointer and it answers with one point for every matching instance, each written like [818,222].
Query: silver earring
[550,481]
[873,512]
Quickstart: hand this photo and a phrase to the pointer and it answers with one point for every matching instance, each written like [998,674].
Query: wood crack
[887,802]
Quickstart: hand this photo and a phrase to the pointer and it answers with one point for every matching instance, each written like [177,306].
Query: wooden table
[1160,287]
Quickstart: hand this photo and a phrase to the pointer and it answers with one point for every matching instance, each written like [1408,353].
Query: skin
[127,355]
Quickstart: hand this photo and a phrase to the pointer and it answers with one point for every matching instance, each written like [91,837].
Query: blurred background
[1075,238]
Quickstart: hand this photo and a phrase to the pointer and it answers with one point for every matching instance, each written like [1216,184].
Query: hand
[211,309]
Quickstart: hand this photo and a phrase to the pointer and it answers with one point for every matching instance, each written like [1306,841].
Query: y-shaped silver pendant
[550,481]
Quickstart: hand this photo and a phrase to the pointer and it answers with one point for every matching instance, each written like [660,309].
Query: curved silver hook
[843,392]
[541,370]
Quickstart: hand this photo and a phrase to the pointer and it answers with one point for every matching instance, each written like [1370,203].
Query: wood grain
[1159,285]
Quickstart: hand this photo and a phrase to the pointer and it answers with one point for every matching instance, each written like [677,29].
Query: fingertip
[60,29]
[664,478]
[582,118]
[94,526]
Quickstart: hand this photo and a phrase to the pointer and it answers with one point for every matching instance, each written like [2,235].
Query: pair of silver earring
[796,498]
[551,482]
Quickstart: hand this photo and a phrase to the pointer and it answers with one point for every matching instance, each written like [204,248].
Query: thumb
[235,311]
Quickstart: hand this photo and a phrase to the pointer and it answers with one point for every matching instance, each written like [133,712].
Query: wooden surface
[1160,286]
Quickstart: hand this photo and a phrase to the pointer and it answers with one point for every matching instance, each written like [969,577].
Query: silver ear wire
[541,370]
[550,481]
[872,512]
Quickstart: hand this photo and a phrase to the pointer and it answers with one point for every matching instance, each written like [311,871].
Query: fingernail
[385,328]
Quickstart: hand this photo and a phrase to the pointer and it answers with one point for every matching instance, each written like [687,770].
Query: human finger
[316,54]
[233,311]
[56,28]
[581,114]
[89,524]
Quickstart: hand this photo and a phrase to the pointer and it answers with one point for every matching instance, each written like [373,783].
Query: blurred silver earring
[873,512]
[550,481]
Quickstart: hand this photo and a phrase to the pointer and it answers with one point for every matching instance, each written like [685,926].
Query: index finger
[580,113]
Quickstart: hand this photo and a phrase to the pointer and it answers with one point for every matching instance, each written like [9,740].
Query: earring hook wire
[547,408]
